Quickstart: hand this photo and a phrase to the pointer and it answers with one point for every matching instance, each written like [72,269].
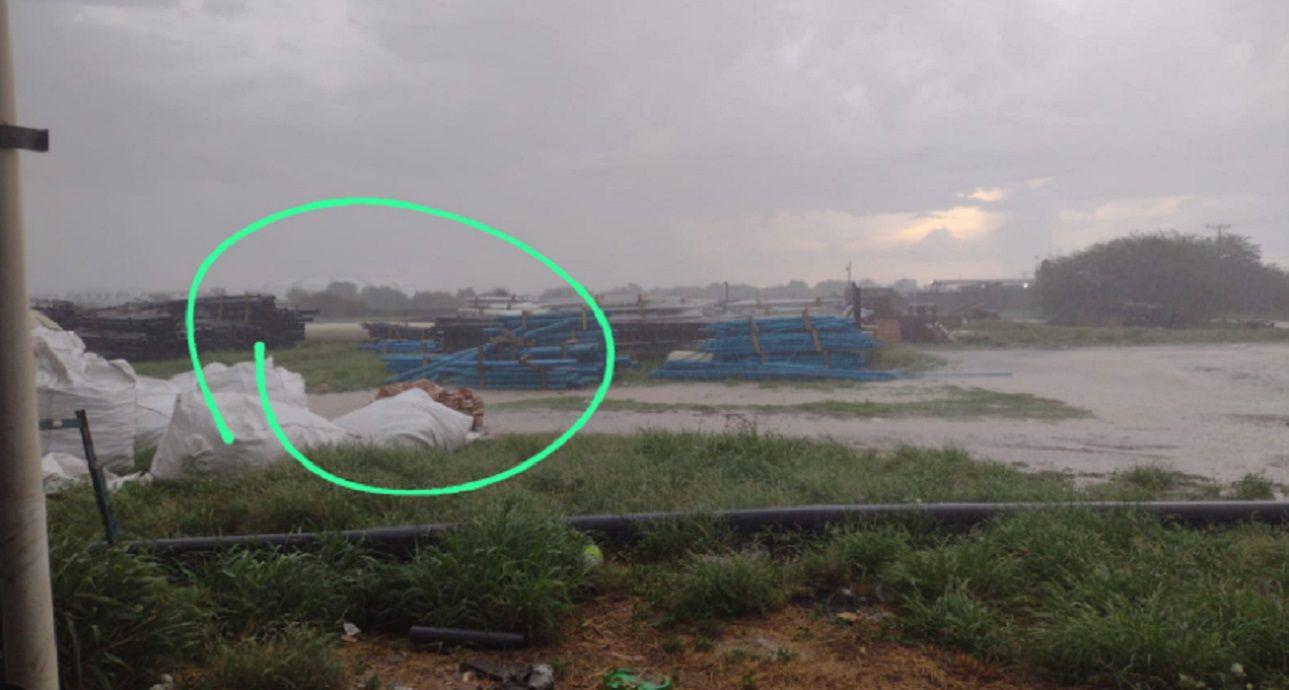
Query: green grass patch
[1004,334]
[1119,599]
[956,403]
[297,658]
[326,367]
[652,470]
[717,586]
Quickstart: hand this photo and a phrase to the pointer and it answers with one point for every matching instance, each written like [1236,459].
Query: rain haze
[648,143]
[803,344]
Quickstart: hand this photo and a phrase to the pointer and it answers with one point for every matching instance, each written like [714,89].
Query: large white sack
[285,386]
[412,419]
[68,379]
[192,447]
[155,401]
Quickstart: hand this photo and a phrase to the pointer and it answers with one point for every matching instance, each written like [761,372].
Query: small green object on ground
[626,679]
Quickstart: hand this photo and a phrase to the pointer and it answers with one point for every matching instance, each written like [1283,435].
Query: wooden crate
[888,331]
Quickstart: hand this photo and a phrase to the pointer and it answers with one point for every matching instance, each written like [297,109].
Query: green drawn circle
[225,433]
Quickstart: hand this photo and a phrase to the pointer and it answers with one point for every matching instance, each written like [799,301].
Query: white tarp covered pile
[60,471]
[285,387]
[154,403]
[156,397]
[126,410]
[192,447]
[68,379]
[411,419]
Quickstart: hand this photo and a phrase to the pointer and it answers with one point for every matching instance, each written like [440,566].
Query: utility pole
[1219,227]
[31,661]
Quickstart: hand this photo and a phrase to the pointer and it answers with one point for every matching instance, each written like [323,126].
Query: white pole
[31,661]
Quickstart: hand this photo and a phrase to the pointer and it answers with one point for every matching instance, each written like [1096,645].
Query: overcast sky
[654,142]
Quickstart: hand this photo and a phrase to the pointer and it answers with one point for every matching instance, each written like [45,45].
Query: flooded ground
[1215,411]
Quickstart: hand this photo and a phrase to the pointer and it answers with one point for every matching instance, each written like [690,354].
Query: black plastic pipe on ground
[625,527]
[458,636]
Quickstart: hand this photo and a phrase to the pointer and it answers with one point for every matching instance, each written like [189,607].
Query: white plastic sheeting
[192,447]
[68,379]
[60,471]
[155,401]
[156,397]
[410,419]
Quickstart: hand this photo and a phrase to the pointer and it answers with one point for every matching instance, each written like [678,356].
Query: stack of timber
[462,400]
[62,312]
[792,348]
[142,331]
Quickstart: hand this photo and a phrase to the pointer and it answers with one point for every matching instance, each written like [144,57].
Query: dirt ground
[790,649]
[1216,411]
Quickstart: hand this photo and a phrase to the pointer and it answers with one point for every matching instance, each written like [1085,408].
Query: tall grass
[294,658]
[653,470]
[1118,598]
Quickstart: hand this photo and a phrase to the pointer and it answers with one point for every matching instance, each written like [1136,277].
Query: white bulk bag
[411,419]
[285,387]
[68,379]
[155,400]
[192,447]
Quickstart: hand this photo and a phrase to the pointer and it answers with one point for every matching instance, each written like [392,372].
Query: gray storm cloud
[656,143]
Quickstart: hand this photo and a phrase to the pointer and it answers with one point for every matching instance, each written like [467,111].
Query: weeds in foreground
[717,586]
[294,658]
[1119,598]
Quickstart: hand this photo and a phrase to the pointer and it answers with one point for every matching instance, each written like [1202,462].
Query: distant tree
[905,285]
[343,289]
[1193,278]
[384,298]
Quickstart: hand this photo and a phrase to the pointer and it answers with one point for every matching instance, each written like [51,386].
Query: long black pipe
[624,527]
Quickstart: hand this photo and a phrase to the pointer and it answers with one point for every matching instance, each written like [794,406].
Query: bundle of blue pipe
[546,351]
[783,348]
[401,355]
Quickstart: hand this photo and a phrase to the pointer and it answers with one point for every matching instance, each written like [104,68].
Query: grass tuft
[719,586]
[294,658]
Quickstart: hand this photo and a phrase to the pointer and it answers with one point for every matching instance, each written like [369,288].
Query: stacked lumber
[142,331]
[462,400]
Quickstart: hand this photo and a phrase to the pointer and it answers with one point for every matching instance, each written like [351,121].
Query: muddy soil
[790,649]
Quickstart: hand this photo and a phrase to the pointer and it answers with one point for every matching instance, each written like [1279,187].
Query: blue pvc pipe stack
[548,351]
[786,348]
